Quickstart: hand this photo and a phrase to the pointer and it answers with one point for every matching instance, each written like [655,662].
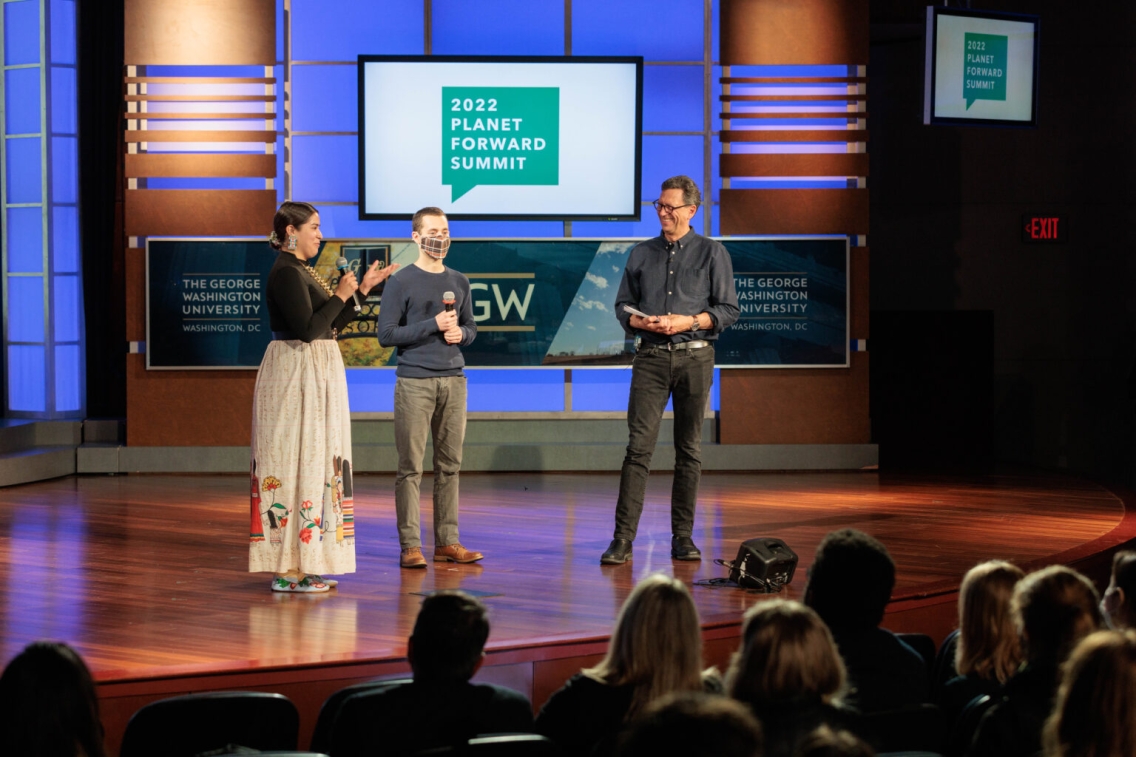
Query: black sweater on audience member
[786,725]
[885,673]
[1012,728]
[417,716]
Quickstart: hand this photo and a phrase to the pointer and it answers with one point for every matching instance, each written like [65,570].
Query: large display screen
[491,137]
[981,68]
[537,302]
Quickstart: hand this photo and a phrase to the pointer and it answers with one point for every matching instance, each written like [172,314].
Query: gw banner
[537,303]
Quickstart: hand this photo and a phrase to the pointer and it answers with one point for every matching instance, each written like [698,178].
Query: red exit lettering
[1041,227]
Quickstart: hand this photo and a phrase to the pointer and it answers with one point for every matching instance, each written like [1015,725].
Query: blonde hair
[656,646]
[988,643]
[1095,711]
[787,653]
[1054,608]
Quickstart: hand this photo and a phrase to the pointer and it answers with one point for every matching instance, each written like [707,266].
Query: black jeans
[656,375]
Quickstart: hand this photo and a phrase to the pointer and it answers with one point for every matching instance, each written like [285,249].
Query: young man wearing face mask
[427,314]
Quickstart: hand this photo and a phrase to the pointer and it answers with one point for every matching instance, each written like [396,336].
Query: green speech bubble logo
[500,135]
[984,77]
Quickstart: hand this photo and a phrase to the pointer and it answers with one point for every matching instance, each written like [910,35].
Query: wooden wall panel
[135,294]
[199,213]
[860,304]
[200,32]
[821,164]
[141,165]
[796,406]
[187,408]
[794,211]
[794,32]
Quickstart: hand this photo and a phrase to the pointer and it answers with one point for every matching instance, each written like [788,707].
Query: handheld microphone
[341,264]
[448,301]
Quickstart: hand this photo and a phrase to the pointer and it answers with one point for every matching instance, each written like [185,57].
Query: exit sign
[1039,228]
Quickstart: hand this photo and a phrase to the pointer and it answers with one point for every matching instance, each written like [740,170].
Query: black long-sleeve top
[298,307]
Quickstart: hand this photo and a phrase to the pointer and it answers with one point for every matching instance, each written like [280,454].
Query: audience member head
[693,724]
[1053,609]
[48,699]
[1095,711]
[988,643]
[825,742]
[1119,602]
[448,639]
[787,655]
[850,581]
[656,646]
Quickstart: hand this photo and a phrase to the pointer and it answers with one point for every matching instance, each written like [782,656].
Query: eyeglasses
[670,208]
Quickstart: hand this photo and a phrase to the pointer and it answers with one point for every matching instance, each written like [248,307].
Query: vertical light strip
[45,214]
[708,116]
[288,101]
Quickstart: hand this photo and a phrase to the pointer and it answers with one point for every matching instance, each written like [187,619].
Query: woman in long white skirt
[302,522]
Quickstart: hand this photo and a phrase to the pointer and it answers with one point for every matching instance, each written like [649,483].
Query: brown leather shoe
[412,558]
[456,553]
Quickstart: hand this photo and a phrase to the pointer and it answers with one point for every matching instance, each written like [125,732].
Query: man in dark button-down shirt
[681,287]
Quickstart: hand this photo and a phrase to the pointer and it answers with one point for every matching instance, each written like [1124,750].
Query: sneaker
[412,558]
[306,585]
[456,553]
[320,579]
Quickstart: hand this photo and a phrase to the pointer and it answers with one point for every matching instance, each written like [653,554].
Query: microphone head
[447,296]
[341,264]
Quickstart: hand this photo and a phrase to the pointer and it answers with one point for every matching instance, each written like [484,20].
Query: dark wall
[946,204]
[100,36]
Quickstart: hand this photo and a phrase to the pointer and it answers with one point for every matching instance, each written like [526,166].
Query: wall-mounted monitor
[981,68]
[555,138]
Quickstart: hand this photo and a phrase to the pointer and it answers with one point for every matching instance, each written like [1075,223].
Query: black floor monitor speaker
[763,563]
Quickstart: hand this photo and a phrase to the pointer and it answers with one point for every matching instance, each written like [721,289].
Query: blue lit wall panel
[26,378]
[344,29]
[370,390]
[325,98]
[66,301]
[205,182]
[516,391]
[664,157]
[215,71]
[25,240]
[672,98]
[657,31]
[68,378]
[21,32]
[601,390]
[25,309]
[500,27]
[325,169]
[64,101]
[63,32]
[65,239]
[25,177]
[607,391]
[342,222]
[65,169]
[21,101]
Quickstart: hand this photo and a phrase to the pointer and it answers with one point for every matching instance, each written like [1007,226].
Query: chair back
[189,725]
[944,667]
[962,732]
[499,745]
[920,728]
[321,736]
[923,644]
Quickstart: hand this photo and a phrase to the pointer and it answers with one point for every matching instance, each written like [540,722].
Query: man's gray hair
[690,193]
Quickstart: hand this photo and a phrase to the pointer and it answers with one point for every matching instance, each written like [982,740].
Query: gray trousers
[424,406]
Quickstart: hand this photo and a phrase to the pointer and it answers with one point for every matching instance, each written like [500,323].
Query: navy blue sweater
[411,300]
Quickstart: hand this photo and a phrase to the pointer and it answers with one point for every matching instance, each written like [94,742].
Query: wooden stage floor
[146,575]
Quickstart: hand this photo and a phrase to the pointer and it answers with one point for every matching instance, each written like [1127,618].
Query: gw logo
[511,298]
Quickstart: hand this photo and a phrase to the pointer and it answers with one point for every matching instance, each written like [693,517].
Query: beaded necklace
[319,279]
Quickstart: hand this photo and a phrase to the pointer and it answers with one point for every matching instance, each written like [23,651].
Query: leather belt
[693,344]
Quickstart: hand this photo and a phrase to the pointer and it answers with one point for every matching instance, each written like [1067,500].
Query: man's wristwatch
[697,322]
